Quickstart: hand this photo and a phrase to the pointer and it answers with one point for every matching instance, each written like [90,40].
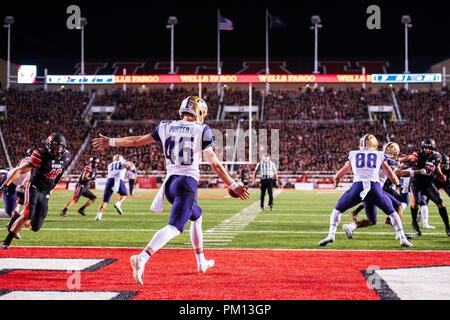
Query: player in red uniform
[47,165]
[82,188]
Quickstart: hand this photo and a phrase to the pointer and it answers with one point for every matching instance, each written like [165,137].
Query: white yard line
[233,226]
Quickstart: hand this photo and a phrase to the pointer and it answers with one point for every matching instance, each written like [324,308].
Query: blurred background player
[13,197]
[245,175]
[422,185]
[268,178]
[424,200]
[184,141]
[366,164]
[115,184]
[83,188]
[47,165]
[445,168]
[131,176]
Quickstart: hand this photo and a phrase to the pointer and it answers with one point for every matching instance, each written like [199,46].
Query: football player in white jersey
[366,164]
[391,152]
[115,183]
[184,142]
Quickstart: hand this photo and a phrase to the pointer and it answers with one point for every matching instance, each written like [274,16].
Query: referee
[268,176]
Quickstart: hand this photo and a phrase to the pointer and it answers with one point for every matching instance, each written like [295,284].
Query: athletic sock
[162,237]
[444,215]
[353,226]
[9,238]
[397,224]
[14,217]
[144,256]
[196,234]
[82,208]
[414,213]
[424,214]
[200,257]
[335,219]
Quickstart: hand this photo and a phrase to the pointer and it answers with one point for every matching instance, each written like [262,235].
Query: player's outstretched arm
[223,174]
[401,173]
[16,172]
[342,172]
[387,170]
[439,174]
[104,142]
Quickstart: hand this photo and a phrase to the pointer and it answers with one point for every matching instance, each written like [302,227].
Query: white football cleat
[138,269]
[202,267]
[405,243]
[348,231]
[118,207]
[428,226]
[98,216]
[326,241]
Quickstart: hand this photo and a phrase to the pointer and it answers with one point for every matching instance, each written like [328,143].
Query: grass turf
[299,220]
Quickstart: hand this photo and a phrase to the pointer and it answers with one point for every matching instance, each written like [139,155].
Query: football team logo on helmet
[195,106]
[392,150]
[368,141]
[56,144]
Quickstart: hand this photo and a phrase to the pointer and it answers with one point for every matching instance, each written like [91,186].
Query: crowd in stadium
[32,115]
[320,145]
[326,104]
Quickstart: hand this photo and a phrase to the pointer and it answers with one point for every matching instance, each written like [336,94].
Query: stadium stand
[317,127]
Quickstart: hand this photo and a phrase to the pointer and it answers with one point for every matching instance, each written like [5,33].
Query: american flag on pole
[225,24]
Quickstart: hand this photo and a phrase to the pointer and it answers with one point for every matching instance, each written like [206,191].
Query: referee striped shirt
[267,169]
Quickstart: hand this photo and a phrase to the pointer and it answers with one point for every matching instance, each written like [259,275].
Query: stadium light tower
[83,22]
[9,20]
[316,21]
[171,22]
[406,20]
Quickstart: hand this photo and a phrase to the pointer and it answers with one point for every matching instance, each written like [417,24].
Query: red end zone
[238,274]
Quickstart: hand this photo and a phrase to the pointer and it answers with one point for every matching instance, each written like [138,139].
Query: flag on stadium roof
[225,24]
[276,22]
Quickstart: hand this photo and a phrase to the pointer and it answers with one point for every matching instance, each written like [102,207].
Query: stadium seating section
[317,127]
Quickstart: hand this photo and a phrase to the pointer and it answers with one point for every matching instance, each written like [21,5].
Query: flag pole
[219,71]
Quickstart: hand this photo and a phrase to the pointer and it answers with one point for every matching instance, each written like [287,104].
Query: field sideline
[299,220]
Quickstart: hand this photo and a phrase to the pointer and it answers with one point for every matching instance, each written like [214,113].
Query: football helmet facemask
[428,145]
[56,144]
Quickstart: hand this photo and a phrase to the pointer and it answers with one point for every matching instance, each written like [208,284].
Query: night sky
[137,30]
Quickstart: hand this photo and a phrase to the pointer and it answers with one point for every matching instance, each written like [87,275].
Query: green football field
[299,220]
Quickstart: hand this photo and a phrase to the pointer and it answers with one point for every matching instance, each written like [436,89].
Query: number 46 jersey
[366,164]
[183,143]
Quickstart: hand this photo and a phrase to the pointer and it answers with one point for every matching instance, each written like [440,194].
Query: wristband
[112,142]
[234,185]
[411,173]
